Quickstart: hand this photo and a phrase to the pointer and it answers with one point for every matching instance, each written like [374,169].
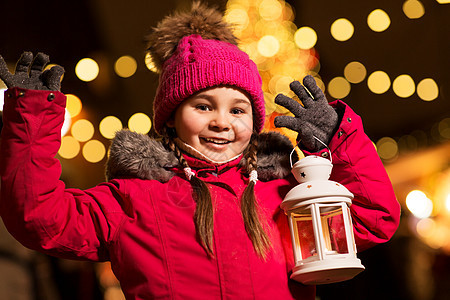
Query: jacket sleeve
[356,164]
[35,205]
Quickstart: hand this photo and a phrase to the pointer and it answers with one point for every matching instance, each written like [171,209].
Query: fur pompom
[202,20]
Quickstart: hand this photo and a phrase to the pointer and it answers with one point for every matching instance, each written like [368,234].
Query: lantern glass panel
[304,226]
[333,228]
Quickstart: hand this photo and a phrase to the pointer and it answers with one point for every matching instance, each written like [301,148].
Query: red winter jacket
[142,220]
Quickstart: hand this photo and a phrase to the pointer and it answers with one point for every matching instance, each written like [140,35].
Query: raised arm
[34,204]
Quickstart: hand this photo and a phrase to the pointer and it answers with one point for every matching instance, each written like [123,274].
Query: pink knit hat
[199,63]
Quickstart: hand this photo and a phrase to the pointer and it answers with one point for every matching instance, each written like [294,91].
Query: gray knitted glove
[314,118]
[30,73]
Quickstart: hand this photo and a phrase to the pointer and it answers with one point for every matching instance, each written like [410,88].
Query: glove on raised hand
[30,74]
[315,118]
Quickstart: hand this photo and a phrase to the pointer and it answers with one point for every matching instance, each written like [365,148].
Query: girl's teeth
[216,141]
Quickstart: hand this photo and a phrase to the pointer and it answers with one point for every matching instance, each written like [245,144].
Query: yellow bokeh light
[238,17]
[378,20]
[94,151]
[339,87]
[268,46]
[425,227]
[149,63]
[67,123]
[378,82]
[413,9]
[404,86]
[82,130]
[387,148]
[305,38]
[270,9]
[419,204]
[427,89]
[73,105]
[140,123]
[342,29]
[70,147]
[87,69]
[443,1]
[109,126]
[125,66]
[355,72]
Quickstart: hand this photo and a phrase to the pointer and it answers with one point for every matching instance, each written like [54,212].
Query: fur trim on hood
[137,155]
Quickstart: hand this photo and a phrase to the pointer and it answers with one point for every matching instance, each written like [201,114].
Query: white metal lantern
[321,225]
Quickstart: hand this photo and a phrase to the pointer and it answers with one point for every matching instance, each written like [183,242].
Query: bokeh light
[427,89]
[342,29]
[378,82]
[70,147]
[387,148]
[94,151]
[82,130]
[238,17]
[305,38]
[109,126]
[125,66]
[73,105]
[413,9]
[419,204]
[378,20]
[268,46]
[149,63]
[355,72]
[140,122]
[404,86]
[270,9]
[339,87]
[87,69]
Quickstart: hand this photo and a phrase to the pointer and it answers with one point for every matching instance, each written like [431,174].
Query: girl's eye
[203,107]
[237,111]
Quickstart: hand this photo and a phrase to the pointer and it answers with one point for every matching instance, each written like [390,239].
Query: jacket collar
[134,155]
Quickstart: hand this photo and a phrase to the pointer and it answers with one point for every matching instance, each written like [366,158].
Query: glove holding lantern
[317,209]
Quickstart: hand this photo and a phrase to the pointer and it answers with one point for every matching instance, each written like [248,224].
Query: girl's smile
[217,122]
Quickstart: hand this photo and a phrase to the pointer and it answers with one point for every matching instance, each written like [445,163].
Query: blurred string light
[82,130]
[378,20]
[387,148]
[404,86]
[443,1]
[70,147]
[355,72]
[125,66]
[427,89]
[419,204]
[305,38]
[379,82]
[140,123]
[342,29]
[413,9]
[93,151]
[87,69]
[109,126]
[73,105]
[339,87]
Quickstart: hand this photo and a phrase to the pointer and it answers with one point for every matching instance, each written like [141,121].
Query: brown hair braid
[204,213]
[249,209]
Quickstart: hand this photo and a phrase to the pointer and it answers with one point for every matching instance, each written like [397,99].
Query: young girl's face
[217,122]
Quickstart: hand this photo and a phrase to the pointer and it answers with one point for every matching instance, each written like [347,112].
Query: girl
[195,214]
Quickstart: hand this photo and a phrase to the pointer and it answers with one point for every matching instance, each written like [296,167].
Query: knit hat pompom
[202,20]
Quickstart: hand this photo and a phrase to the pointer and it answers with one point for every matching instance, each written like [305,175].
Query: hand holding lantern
[321,225]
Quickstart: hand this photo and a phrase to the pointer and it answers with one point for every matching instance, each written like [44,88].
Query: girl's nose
[220,122]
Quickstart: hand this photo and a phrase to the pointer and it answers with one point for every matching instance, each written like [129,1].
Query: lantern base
[327,271]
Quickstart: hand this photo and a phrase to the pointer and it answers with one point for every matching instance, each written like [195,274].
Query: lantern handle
[290,156]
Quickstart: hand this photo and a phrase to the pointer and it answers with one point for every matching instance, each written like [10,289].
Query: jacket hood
[135,155]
